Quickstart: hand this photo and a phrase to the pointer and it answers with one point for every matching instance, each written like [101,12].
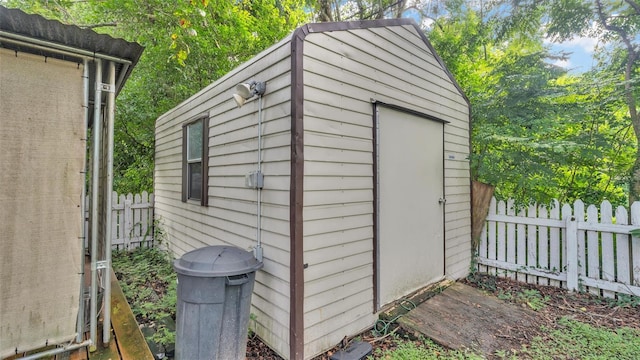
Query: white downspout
[95,191]
[111,102]
[83,197]
[258,249]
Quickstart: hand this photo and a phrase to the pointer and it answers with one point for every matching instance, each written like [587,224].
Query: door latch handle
[442,201]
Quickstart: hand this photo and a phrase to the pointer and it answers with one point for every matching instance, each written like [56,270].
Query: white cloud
[588,44]
[563,63]
[426,23]
[585,43]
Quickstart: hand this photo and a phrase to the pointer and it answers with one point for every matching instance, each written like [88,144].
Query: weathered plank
[131,342]
[462,317]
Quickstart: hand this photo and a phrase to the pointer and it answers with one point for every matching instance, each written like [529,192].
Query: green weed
[533,299]
[502,295]
[504,354]
[624,300]
[423,349]
[576,340]
[149,283]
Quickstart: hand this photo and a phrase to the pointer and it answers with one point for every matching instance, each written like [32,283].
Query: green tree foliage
[339,10]
[616,24]
[188,45]
[538,132]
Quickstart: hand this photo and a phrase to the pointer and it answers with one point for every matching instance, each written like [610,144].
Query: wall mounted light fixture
[248,90]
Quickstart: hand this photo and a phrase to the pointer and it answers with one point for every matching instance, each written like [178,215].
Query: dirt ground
[554,304]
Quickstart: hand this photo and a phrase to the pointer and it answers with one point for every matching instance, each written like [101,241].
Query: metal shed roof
[34,30]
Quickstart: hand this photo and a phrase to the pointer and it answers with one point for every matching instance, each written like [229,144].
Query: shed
[351,171]
[56,81]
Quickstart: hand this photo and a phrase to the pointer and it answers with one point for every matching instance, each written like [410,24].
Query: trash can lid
[218,260]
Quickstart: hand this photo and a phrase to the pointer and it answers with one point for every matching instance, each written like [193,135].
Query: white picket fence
[131,220]
[564,246]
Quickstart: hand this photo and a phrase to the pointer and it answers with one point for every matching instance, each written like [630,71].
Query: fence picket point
[623,241]
[592,264]
[482,246]
[579,214]
[543,245]
[502,241]
[635,245]
[511,238]
[521,247]
[555,250]
[573,248]
[607,261]
[492,241]
[532,248]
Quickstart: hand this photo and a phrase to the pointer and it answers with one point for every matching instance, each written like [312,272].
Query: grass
[571,340]
[421,349]
[149,283]
[576,340]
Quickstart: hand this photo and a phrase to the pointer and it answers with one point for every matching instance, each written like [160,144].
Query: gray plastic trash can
[214,300]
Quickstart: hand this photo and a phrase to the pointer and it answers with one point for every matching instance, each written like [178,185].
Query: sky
[580,51]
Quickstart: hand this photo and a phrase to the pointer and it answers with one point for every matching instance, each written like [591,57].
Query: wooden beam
[131,343]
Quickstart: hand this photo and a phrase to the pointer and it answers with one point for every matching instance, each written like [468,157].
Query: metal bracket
[442,201]
[103,264]
[106,87]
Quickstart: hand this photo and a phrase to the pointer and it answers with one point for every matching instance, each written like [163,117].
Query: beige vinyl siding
[343,71]
[230,217]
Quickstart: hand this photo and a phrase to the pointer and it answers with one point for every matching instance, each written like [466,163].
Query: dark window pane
[195,180]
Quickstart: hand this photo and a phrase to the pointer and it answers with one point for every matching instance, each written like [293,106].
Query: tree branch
[93,26]
[632,56]
[614,28]
[634,5]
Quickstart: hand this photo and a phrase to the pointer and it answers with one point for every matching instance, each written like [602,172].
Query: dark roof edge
[18,22]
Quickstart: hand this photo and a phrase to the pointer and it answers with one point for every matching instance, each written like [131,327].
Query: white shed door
[410,177]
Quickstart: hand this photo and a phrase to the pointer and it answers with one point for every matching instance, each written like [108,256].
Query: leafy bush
[149,283]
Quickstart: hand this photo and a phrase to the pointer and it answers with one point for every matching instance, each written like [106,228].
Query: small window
[195,154]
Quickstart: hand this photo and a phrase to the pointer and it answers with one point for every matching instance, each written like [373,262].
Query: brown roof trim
[410,111]
[296,193]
